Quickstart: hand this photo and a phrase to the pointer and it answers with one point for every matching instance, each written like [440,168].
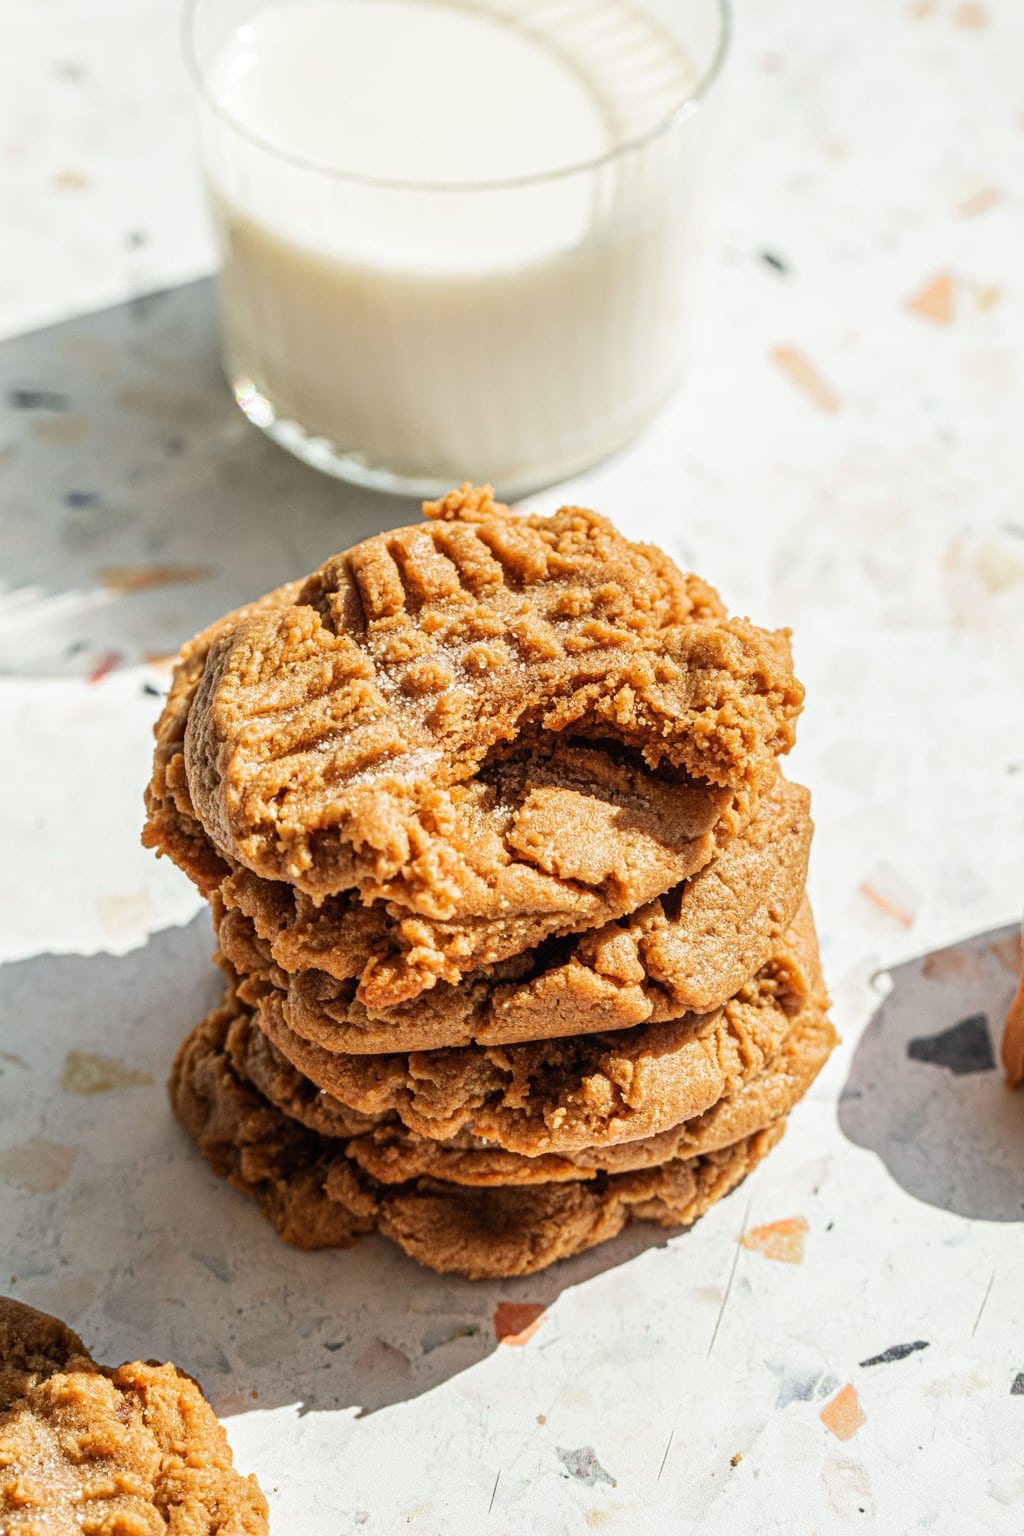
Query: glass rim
[683,110]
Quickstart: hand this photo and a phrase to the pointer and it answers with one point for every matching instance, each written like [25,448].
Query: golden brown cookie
[492,1233]
[317,1197]
[567,1094]
[688,951]
[128,1452]
[338,741]
[393,1154]
[171,825]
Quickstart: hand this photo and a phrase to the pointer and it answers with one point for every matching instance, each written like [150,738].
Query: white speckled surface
[840,462]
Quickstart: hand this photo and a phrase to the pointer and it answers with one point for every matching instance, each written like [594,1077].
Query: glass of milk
[458,237]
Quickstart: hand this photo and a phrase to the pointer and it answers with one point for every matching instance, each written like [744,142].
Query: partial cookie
[315,1196]
[327,741]
[84,1448]
[686,952]
[393,1154]
[567,1094]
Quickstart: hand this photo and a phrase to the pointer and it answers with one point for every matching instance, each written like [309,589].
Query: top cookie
[124,1452]
[332,734]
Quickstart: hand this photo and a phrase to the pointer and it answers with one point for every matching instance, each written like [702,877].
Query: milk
[369,88]
[441,257]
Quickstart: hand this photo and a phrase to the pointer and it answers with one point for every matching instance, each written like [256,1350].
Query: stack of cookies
[507,886]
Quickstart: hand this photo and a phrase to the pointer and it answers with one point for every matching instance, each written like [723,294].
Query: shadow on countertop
[139,504]
[112,1221]
[925,1091]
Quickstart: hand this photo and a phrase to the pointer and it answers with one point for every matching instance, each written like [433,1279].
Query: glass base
[346,464]
[322,454]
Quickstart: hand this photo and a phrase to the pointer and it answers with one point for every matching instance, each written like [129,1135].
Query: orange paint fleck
[70,181]
[843,1414]
[987,298]
[108,662]
[953,965]
[935,301]
[972,16]
[922,8]
[979,202]
[517,1321]
[1012,1051]
[39,1165]
[801,372]
[140,578]
[944,965]
[61,431]
[85,1073]
[1009,952]
[779,1240]
[905,919]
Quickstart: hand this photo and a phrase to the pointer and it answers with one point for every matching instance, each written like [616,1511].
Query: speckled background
[840,1344]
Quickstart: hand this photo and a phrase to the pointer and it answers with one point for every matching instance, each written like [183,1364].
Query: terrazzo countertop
[837,1346]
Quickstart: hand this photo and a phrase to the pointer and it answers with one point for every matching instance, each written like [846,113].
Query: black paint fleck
[81,499]
[896,1352]
[776,262]
[1017,1389]
[154,693]
[962,1049]
[38,400]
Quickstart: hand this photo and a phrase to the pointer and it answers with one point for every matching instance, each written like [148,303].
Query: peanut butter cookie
[585,1091]
[393,1154]
[317,1197]
[687,951]
[134,1451]
[342,740]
